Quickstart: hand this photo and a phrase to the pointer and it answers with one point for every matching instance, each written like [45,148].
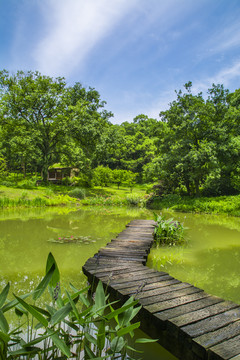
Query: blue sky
[134,52]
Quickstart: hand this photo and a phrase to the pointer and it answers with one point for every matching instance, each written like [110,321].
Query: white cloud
[226,76]
[74,28]
[226,39]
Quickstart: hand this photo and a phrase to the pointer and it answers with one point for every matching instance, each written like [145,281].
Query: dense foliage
[193,149]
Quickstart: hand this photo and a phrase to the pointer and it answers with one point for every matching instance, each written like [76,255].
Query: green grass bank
[60,195]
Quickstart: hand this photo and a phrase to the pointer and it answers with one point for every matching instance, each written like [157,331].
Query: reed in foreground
[69,326]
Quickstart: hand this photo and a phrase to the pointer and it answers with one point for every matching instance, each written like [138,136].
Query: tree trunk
[196,182]
[187,183]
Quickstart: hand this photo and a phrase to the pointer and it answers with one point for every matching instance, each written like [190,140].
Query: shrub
[77,193]
[134,200]
[28,183]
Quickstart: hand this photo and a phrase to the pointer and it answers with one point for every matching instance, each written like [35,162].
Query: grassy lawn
[58,195]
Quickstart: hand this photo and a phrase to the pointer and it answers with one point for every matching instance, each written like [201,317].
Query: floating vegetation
[86,240]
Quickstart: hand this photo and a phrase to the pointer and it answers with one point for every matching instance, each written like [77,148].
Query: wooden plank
[116,258]
[122,250]
[164,305]
[237,357]
[123,268]
[120,276]
[165,280]
[136,244]
[162,289]
[191,317]
[130,284]
[226,350]
[105,267]
[215,337]
[121,280]
[212,323]
[169,296]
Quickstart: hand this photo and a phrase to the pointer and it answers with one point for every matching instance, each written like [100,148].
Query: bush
[134,200]
[6,183]
[28,183]
[81,180]
[77,193]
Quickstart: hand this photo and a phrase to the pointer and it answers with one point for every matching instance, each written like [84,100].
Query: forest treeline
[193,148]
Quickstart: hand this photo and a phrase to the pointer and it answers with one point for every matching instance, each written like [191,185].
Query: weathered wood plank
[169,296]
[163,282]
[154,308]
[132,277]
[130,284]
[212,323]
[162,289]
[226,350]
[191,317]
[215,337]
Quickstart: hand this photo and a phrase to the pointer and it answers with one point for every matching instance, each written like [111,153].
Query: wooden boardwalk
[188,322]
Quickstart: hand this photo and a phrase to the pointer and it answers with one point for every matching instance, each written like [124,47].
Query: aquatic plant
[69,326]
[168,231]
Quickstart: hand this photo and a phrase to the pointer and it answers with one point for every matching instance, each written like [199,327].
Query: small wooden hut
[56,174]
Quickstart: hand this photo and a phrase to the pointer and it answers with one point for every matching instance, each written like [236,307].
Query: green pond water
[210,260]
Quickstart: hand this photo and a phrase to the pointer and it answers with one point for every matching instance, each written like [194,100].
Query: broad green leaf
[60,314]
[73,305]
[55,280]
[132,349]
[144,341]
[22,352]
[32,311]
[128,329]
[101,335]
[77,294]
[90,338]
[44,283]
[117,344]
[59,343]
[37,340]
[120,310]
[42,311]
[13,303]
[89,352]
[4,337]
[100,298]
[4,294]
[3,323]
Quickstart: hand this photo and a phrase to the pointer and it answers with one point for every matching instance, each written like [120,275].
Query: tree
[102,176]
[189,154]
[57,120]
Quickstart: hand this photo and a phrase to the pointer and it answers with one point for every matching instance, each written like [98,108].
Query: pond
[28,235]
[210,260]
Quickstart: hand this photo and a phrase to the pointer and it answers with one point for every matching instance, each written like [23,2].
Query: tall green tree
[55,120]
[189,154]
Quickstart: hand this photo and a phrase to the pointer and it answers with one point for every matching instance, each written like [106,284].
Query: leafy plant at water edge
[168,231]
[69,326]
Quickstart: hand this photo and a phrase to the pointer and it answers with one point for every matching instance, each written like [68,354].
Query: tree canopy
[194,146]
